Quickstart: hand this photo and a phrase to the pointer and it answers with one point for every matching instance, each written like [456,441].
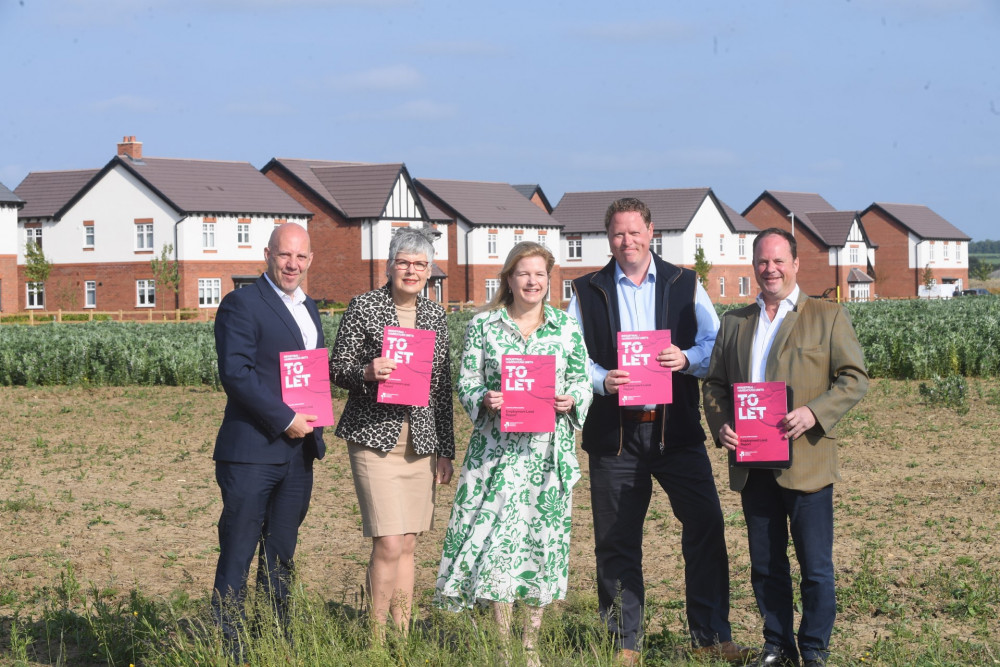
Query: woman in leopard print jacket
[397,452]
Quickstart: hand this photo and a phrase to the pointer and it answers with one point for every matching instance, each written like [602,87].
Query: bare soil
[118,485]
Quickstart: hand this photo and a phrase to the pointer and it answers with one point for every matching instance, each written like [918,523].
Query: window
[722,286]
[541,239]
[88,234]
[722,245]
[697,242]
[243,233]
[958,251]
[858,291]
[144,236]
[518,237]
[852,255]
[491,244]
[944,251]
[567,290]
[35,295]
[90,294]
[34,236]
[575,249]
[145,293]
[744,286]
[656,245]
[208,235]
[492,285]
[209,292]
[930,252]
[439,291]
[742,246]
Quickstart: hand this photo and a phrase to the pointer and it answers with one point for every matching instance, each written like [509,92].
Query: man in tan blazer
[811,346]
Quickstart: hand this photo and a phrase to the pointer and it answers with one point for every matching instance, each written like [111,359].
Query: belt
[641,416]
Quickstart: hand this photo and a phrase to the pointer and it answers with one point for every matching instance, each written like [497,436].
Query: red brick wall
[10,286]
[893,277]
[732,274]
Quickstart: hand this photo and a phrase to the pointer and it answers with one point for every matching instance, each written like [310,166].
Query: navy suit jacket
[252,327]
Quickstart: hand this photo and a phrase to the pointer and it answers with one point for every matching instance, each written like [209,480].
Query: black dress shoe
[775,659]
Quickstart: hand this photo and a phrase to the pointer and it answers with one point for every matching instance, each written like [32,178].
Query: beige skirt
[395,489]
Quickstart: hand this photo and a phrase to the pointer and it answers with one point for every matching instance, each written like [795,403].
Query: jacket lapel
[744,343]
[781,338]
[273,301]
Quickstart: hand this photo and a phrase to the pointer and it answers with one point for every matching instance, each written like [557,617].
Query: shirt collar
[295,299]
[650,273]
[790,300]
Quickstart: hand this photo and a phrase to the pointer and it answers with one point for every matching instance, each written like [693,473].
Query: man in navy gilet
[630,447]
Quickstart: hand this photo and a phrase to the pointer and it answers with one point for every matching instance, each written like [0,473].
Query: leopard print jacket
[377,425]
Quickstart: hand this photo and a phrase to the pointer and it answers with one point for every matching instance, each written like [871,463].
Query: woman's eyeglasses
[403,265]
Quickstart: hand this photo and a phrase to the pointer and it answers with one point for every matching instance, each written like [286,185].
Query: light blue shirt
[637,312]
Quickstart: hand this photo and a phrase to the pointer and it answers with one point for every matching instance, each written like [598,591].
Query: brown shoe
[729,651]
[626,657]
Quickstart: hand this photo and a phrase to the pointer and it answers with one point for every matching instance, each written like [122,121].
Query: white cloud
[381,79]
[133,103]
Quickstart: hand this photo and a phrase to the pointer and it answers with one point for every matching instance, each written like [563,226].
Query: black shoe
[769,658]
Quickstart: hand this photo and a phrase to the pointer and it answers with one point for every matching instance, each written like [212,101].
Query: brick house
[489,219]
[684,219]
[534,193]
[836,256]
[355,209]
[100,229]
[10,204]
[911,239]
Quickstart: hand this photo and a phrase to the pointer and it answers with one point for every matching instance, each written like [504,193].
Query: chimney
[130,148]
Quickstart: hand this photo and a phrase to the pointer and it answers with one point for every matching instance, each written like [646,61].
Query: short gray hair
[412,240]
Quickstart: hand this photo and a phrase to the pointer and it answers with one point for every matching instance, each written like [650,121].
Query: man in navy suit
[264,451]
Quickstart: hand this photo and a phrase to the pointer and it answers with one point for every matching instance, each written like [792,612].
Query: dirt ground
[118,484]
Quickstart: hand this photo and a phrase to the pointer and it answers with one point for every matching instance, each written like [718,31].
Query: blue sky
[857,100]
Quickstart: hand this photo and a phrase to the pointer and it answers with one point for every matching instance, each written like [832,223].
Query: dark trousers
[620,490]
[770,511]
[263,506]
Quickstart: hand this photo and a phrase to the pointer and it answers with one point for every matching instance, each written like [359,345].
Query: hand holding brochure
[649,382]
[305,384]
[759,408]
[413,352]
[528,383]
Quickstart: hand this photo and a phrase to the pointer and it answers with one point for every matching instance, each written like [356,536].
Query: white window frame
[744,286]
[143,236]
[722,286]
[944,252]
[33,235]
[145,293]
[34,295]
[656,244]
[518,238]
[242,233]
[722,244]
[567,290]
[208,235]
[742,246]
[930,251]
[491,244]
[90,294]
[852,255]
[438,291]
[88,236]
[209,292]
[492,285]
[697,242]
[574,249]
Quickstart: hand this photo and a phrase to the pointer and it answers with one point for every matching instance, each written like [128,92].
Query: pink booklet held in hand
[413,352]
[528,383]
[305,384]
[758,409]
[649,383]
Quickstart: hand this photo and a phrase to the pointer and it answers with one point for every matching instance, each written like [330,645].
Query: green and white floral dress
[509,533]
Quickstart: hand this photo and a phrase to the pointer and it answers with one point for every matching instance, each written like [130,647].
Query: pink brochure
[758,408]
[528,383]
[413,352]
[305,384]
[649,382]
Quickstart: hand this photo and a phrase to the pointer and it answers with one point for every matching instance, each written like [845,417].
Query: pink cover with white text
[413,352]
[305,384]
[759,408]
[528,383]
[649,382]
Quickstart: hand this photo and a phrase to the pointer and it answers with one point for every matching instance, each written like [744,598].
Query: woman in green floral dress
[509,533]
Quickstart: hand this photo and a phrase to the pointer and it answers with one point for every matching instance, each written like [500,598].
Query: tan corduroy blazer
[817,354]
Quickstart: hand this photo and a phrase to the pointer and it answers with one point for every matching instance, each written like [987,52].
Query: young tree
[36,267]
[166,272]
[928,278]
[702,266]
[980,270]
